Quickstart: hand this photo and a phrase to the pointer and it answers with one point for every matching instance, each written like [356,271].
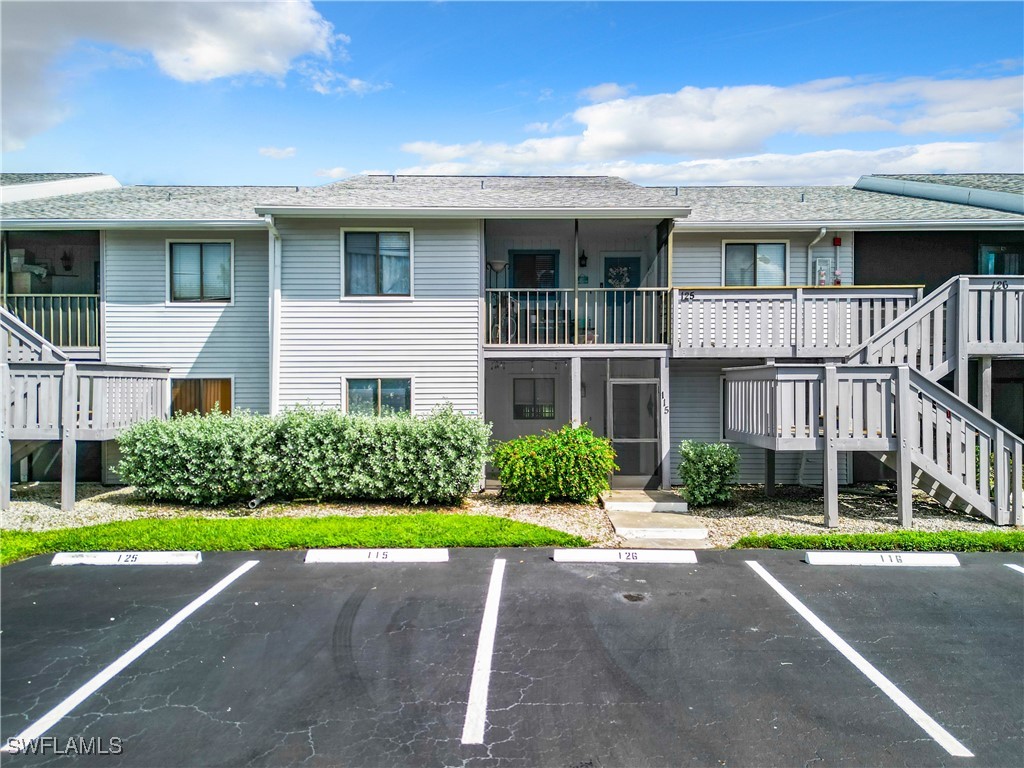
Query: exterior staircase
[885,399]
[44,396]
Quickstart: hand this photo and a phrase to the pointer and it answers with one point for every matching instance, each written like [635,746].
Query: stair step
[643,501]
[670,526]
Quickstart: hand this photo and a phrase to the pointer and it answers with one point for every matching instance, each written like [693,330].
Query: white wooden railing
[784,322]
[937,337]
[970,457]
[562,316]
[92,401]
[24,345]
[67,320]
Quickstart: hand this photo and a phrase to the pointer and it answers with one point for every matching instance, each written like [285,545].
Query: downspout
[274,319]
[810,265]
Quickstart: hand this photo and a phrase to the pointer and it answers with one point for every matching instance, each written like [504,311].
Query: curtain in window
[771,264]
[186,270]
[216,393]
[216,271]
[535,270]
[361,263]
[186,396]
[739,264]
[394,263]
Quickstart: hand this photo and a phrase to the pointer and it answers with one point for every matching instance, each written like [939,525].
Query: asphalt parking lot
[622,664]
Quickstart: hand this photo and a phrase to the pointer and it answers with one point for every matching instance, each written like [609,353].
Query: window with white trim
[378,263]
[755,264]
[201,396]
[200,272]
[373,397]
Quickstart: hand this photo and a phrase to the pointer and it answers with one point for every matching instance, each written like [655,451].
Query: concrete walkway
[653,520]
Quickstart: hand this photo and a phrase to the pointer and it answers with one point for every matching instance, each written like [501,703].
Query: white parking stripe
[476,710]
[918,715]
[51,718]
[1015,567]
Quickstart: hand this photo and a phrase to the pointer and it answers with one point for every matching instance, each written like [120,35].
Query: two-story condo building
[825,330]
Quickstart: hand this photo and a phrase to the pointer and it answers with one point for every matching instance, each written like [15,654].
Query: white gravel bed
[796,510]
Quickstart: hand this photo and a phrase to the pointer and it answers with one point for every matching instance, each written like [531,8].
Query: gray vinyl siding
[195,340]
[432,337]
[696,414]
[697,256]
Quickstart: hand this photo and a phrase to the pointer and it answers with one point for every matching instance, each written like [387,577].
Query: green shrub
[707,471]
[902,541]
[305,453]
[200,460]
[571,464]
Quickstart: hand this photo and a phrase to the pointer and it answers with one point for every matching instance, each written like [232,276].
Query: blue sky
[681,93]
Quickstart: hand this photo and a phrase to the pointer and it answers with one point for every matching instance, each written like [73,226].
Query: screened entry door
[633,424]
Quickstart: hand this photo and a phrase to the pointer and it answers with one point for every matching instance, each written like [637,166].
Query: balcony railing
[562,316]
[784,322]
[71,321]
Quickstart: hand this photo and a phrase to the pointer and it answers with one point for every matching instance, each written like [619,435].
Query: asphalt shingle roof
[811,205]
[709,205]
[12,179]
[486,192]
[994,182]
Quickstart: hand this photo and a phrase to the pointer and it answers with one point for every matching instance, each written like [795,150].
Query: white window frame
[755,241]
[412,386]
[169,301]
[412,265]
[172,377]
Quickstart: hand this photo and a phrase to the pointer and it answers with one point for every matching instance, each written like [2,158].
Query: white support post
[5,434]
[905,417]
[985,385]
[963,328]
[769,472]
[665,426]
[69,432]
[575,387]
[830,485]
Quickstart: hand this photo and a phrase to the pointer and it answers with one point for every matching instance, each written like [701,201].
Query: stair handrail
[11,324]
[911,317]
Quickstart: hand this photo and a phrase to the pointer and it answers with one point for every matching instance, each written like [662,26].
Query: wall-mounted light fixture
[67,261]
[583,259]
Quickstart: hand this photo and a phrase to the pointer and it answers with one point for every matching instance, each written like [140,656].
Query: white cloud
[606,92]
[277,153]
[327,81]
[834,166]
[719,135]
[332,173]
[188,41]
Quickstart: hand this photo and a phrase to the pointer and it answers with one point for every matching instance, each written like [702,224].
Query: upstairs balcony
[785,322]
[51,283]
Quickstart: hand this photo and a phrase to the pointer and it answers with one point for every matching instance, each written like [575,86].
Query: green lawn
[206,535]
[905,541]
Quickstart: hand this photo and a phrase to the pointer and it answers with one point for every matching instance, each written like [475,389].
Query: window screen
[372,397]
[533,398]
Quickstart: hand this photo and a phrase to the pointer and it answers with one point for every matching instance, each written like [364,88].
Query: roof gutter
[476,213]
[859,226]
[947,193]
[32,224]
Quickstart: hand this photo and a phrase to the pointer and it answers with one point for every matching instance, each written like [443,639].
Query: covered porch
[51,282]
[624,398]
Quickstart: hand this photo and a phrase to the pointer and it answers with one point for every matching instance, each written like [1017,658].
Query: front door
[621,275]
[634,426]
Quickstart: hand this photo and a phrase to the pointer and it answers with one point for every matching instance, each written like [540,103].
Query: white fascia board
[683,225]
[47,224]
[477,213]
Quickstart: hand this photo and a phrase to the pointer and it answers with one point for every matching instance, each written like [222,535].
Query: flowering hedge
[305,453]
